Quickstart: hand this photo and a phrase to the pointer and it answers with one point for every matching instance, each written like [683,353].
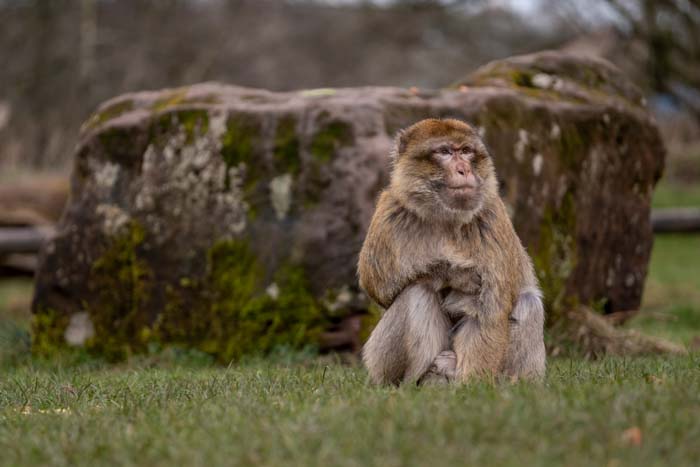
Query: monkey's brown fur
[435,256]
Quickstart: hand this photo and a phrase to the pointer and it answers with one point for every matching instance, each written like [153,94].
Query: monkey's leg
[408,337]
[526,354]
[455,305]
[480,344]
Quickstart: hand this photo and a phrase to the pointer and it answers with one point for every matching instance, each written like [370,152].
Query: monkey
[442,258]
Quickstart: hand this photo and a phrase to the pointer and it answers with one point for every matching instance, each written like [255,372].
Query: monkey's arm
[388,261]
[481,340]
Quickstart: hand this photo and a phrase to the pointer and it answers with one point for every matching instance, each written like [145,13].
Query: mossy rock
[227,219]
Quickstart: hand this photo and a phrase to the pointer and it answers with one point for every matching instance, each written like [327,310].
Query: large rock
[229,219]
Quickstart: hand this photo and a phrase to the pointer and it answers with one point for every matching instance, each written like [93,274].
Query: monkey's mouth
[466,189]
[464,197]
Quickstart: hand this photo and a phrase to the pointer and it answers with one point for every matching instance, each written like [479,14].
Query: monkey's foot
[442,371]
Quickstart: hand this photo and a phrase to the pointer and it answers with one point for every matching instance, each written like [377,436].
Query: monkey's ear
[400,144]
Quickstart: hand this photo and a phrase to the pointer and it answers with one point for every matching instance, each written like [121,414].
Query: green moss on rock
[521,78]
[110,112]
[253,321]
[121,283]
[555,256]
[227,312]
[178,97]
[286,147]
[329,138]
[170,99]
[237,143]
[193,122]
[236,316]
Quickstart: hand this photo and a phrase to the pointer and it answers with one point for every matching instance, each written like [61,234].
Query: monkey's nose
[463,170]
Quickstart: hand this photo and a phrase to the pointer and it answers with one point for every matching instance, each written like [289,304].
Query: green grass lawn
[671,301]
[263,413]
[176,408]
[672,195]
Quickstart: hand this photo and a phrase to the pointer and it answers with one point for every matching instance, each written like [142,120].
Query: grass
[671,301]
[265,413]
[15,295]
[176,408]
[674,195]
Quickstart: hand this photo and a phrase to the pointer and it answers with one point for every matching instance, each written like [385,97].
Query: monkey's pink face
[458,184]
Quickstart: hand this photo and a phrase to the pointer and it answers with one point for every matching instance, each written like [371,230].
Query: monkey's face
[459,185]
[442,165]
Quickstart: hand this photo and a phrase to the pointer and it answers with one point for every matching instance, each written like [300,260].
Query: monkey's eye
[467,154]
[443,153]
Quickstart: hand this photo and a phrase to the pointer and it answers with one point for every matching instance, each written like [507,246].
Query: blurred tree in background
[663,38]
[670,29]
[63,57]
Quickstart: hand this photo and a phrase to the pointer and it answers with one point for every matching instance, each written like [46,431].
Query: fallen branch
[23,239]
[675,220]
[17,265]
[596,336]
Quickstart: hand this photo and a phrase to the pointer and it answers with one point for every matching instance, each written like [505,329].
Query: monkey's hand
[457,304]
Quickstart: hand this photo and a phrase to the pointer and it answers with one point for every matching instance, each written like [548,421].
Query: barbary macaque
[441,256]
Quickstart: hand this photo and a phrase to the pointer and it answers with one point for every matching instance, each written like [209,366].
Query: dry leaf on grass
[632,436]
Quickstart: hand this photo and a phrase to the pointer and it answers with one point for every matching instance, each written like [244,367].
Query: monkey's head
[442,170]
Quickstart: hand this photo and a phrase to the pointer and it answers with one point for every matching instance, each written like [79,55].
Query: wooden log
[18,265]
[33,199]
[675,220]
[23,239]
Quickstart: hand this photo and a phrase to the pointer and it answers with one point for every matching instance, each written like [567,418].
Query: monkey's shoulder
[490,230]
[400,222]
